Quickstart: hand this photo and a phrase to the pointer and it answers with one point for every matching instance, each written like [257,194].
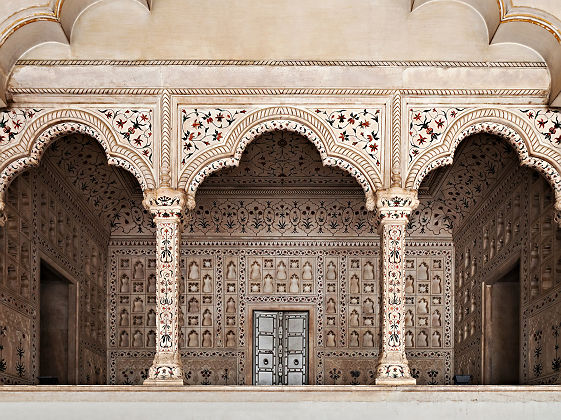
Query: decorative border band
[285,63]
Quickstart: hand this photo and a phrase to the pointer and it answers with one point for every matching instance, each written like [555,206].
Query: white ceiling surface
[375,30]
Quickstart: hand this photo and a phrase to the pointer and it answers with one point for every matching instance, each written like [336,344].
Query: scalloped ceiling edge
[526,22]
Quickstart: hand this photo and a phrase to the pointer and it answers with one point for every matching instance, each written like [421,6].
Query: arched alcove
[61,214]
[500,218]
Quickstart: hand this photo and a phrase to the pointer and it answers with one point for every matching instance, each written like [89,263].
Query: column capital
[165,202]
[396,204]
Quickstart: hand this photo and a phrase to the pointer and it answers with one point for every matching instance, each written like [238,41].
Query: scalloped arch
[52,125]
[507,125]
[273,119]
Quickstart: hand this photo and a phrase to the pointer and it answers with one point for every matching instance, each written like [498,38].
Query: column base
[166,370]
[396,381]
[394,373]
[164,382]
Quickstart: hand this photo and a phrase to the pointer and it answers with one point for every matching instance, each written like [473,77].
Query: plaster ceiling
[444,30]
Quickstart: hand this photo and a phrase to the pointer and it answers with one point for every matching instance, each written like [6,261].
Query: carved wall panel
[337,281]
[515,220]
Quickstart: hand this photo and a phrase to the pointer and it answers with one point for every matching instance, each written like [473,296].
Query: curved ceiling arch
[40,21]
[528,26]
[33,22]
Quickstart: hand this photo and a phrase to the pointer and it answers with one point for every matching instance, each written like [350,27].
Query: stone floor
[271,403]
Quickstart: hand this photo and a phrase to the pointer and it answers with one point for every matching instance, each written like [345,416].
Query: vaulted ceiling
[432,30]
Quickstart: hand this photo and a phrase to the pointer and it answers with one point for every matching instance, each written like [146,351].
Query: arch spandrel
[512,126]
[44,127]
[338,145]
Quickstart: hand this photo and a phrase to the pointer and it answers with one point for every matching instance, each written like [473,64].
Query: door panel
[280,348]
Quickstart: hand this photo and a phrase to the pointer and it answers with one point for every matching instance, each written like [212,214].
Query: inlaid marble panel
[222,283]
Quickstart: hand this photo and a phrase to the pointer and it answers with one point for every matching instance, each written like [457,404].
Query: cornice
[210,191]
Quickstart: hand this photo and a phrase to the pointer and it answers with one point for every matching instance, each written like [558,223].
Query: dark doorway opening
[501,317]
[57,349]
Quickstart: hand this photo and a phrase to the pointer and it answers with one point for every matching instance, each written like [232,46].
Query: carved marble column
[394,207]
[166,206]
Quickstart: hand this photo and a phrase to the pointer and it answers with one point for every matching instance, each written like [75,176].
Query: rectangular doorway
[280,348]
[57,346]
[501,329]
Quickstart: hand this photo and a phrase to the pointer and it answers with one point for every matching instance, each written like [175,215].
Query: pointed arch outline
[504,124]
[266,120]
[54,124]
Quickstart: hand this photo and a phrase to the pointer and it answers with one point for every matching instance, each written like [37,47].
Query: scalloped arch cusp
[51,125]
[505,124]
[281,118]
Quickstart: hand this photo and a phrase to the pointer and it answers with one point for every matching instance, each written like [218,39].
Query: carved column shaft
[166,206]
[394,206]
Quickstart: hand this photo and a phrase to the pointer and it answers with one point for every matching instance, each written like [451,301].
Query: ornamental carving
[333,150]
[134,127]
[505,124]
[52,125]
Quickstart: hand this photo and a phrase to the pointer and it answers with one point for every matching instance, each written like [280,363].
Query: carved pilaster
[166,206]
[165,166]
[3,216]
[396,140]
[394,207]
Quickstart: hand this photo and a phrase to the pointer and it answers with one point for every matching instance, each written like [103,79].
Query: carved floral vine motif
[134,126]
[201,128]
[547,124]
[426,127]
[358,128]
[13,122]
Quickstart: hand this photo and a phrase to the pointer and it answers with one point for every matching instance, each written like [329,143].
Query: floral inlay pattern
[13,123]
[357,128]
[426,127]
[547,123]
[134,126]
[201,128]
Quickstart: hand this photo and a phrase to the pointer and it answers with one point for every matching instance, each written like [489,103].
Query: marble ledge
[327,393]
